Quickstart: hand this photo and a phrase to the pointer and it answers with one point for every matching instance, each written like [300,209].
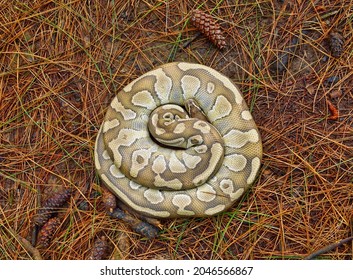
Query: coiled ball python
[178,141]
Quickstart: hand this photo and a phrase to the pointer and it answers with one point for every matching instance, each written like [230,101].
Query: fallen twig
[328,248]
[34,252]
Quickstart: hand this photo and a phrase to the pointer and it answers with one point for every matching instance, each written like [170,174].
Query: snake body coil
[178,141]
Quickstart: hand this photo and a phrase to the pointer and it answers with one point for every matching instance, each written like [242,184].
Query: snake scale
[178,141]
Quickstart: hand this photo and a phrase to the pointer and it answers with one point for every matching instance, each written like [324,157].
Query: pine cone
[51,205]
[100,250]
[336,42]
[46,233]
[208,26]
[109,200]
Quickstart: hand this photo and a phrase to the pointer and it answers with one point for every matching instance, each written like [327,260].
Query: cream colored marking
[255,165]
[157,129]
[153,196]
[133,185]
[216,154]
[190,85]
[220,109]
[206,193]
[210,87]
[201,149]
[166,123]
[202,126]
[180,128]
[246,115]
[159,165]
[190,160]
[116,172]
[139,160]
[194,140]
[106,155]
[181,201]
[144,99]
[174,184]
[214,210]
[227,186]
[168,116]
[235,162]
[163,85]
[174,142]
[235,195]
[213,180]
[107,125]
[237,139]
[175,165]
[226,81]
[174,107]
[126,137]
[128,87]
[128,201]
[154,120]
[119,108]
[97,162]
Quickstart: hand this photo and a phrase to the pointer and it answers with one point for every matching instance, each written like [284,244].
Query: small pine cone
[336,42]
[101,249]
[46,233]
[208,26]
[50,206]
[109,200]
[42,216]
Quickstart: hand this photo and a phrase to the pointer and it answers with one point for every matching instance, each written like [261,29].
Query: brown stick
[26,245]
[328,248]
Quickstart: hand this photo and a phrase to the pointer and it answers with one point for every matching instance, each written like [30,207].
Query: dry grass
[62,62]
